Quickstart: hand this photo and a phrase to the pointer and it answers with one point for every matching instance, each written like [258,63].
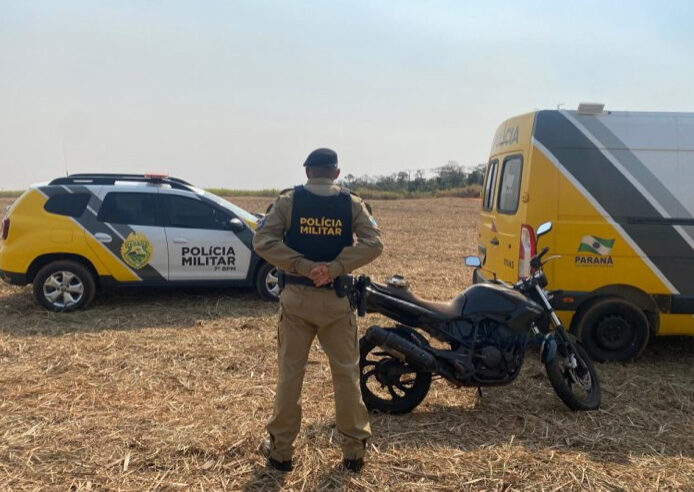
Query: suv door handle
[180,240]
[494,241]
[103,237]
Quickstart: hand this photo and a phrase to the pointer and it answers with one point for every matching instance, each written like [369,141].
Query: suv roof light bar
[111,178]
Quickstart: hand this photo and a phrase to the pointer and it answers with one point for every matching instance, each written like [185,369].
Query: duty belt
[284,279]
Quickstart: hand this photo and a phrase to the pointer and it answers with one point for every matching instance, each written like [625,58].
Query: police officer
[309,233]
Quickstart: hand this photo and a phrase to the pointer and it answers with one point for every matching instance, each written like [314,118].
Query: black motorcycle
[485,332]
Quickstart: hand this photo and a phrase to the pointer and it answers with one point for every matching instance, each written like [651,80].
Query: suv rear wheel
[267,282]
[64,286]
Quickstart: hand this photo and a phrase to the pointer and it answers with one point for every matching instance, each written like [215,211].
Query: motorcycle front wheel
[574,378]
[387,384]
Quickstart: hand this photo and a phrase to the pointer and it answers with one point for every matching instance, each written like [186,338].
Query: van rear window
[70,204]
[490,185]
[509,185]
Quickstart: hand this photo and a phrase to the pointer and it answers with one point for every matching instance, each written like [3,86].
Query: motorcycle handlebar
[536,261]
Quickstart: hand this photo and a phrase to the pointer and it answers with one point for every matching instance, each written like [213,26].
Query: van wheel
[267,283]
[612,329]
[64,286]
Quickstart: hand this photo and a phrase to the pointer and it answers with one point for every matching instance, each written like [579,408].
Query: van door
[500,228]
[508,218]
[201,244]
[488,240]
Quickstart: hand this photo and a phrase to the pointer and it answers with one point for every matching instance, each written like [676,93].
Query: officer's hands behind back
[320,274]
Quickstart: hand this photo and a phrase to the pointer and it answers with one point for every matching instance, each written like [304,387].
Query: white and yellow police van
[84,231]
[618,188]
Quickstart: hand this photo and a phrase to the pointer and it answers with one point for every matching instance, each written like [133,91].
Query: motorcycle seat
[441,311]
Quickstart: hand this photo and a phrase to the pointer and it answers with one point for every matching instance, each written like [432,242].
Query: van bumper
[13,278]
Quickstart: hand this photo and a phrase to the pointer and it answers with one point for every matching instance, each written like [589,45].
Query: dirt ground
[170,390]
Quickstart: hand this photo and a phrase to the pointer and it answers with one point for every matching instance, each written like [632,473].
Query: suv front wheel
[64,286]
[267,283]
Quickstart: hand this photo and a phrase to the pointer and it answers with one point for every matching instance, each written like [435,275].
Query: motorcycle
[485,332]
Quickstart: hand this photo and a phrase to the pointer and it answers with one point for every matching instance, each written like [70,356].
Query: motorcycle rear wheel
[578,388]
[387,384]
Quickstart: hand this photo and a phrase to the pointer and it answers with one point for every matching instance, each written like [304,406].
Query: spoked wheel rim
[573,375]
[577,376]
[386,378]
[388,384]
[272,282]
[63,289]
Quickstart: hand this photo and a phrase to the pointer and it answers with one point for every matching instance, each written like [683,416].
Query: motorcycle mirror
[473,261]
[543,229]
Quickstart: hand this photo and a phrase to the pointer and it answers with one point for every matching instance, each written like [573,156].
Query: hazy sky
[236,94]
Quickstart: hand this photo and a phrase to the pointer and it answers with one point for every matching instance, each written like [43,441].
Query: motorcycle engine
[498,351]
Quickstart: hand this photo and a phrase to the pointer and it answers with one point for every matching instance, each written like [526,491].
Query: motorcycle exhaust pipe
[415,355]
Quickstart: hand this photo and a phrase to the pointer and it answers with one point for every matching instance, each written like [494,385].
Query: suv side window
[509,185]
[69,204]
[490,185]
[129,208]
[194,214]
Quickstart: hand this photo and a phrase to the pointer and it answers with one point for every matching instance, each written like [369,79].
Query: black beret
[321,158]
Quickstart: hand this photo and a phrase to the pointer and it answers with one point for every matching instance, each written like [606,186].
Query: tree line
[447,177]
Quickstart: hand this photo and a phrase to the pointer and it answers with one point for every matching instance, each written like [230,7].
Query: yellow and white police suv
[84,231]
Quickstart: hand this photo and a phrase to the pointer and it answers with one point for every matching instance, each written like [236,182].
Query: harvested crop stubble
[170,390]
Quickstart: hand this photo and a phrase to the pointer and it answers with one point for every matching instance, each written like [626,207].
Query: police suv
[84,231]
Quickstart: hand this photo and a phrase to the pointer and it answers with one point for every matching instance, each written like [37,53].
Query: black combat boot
[354,465]
[283,466]
[265,448]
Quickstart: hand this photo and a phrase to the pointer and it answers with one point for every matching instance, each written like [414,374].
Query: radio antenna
[65,158]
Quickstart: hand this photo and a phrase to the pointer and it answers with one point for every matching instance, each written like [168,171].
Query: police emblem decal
[136,250]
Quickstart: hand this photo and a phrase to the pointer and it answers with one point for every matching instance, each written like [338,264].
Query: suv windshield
[238,211]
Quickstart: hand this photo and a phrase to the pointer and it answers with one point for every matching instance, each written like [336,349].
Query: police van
[618,188]
[84,231]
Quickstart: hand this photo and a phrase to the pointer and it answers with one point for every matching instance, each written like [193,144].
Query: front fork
[549,343]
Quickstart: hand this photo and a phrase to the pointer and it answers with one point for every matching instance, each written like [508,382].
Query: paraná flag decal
[597,245]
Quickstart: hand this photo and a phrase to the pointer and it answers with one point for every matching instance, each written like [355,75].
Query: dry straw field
[170,390]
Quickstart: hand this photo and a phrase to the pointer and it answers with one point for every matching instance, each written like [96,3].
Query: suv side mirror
[236,225]
[543,228]
[473,261]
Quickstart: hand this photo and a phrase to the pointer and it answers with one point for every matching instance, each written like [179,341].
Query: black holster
[343,285]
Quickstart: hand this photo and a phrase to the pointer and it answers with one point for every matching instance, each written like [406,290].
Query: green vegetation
[449,180]
[10,194]
[472,191]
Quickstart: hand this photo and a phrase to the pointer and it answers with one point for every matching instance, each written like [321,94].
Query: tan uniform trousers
[307,312]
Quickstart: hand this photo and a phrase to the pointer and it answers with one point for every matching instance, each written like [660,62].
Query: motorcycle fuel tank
[504,305]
